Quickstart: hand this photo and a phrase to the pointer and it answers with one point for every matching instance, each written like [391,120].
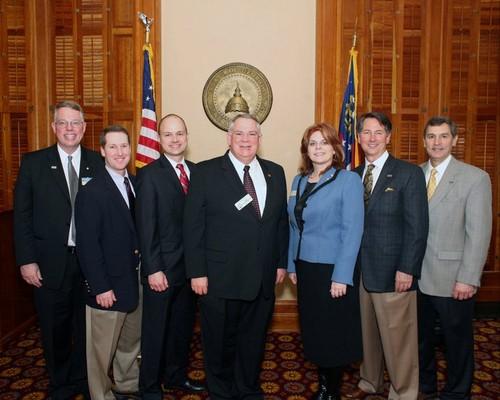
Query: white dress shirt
[379,164]
[76,157]
[258,179]
[440,170]
[177,170]
[119,181]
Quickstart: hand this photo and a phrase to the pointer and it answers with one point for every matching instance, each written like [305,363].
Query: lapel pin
[53,166]
[268,175]
[389,176]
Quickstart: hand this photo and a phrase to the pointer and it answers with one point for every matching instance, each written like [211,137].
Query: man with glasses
[169,304]
[235,245]
[44,234]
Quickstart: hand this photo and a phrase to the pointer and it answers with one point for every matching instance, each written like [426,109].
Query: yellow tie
[431,186]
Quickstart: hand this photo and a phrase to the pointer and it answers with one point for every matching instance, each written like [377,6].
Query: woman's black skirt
[330,328]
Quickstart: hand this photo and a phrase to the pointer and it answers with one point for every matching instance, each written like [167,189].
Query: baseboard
[285,317]
[17,331]
[490,309]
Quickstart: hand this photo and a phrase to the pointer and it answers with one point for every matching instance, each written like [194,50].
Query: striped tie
[183,178]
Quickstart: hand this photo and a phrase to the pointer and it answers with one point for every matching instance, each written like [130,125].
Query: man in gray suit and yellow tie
[459,236]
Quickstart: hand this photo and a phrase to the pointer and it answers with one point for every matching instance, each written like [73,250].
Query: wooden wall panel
[121,62]
[89,51]
[122,14]
[16,304]
[418,59]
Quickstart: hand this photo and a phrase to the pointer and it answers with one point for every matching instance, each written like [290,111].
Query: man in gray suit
[459,235]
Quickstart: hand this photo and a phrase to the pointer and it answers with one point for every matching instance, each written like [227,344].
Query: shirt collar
[63,155]
[239,165]
[115,175]
[441,168]
[379,162]
[174,163]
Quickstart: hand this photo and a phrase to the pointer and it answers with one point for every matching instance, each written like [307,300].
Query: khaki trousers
[389,329]
[113,338]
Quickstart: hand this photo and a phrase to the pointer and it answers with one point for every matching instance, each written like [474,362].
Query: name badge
[86,179]
[293,193]
[245,200]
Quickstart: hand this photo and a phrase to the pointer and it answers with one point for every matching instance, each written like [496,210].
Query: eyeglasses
[64,124]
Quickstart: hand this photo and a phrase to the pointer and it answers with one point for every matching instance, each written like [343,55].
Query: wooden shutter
[418,59]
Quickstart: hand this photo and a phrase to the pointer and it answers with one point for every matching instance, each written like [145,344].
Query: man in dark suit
[457,248]
[390,257]
[45,246]
[109,257]
[169,304]
[235,240]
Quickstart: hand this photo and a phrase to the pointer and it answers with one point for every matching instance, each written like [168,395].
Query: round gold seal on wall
[234,89]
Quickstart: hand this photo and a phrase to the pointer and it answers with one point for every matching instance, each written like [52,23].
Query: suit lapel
[270,191]
[170,172]
[446,183]
[86,169]
[57,171]
[118,198]
[383,181]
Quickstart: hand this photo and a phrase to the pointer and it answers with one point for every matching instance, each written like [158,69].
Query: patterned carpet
[285,374]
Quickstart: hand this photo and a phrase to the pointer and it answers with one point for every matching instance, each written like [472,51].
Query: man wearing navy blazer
[45,246]
[109,257]
[459,236]
[390,257]
[235,242]
[169,303]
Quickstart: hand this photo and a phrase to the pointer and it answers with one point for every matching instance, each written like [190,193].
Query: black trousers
[61,316]
[156,315]
[234,334]
[180,333]
[455,318]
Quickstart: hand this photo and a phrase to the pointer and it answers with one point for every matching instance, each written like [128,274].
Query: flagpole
[148,147]
[354,37]
[147,22]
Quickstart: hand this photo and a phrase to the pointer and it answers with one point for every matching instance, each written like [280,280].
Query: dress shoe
[357,393]
[126,395]
[187,386]
[321,393]
[428,396]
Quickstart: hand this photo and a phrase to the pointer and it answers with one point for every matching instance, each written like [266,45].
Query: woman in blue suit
[326,224]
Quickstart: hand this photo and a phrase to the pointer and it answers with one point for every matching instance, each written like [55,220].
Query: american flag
[347,124]
[148,148]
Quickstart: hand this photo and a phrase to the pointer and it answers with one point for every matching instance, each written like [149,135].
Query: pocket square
[389,189]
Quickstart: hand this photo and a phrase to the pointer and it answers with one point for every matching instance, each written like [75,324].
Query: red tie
[183,178]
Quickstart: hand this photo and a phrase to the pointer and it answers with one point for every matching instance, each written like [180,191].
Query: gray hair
[244,116]
[68,104]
